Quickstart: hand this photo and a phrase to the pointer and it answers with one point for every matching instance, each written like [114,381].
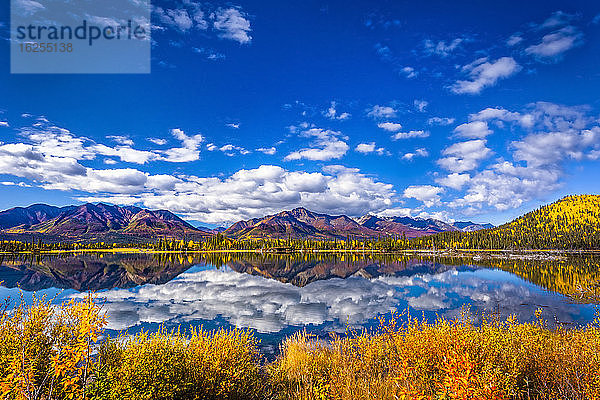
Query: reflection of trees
[95,271]
[566,276]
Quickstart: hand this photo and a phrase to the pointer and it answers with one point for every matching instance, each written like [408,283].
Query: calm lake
[278,295]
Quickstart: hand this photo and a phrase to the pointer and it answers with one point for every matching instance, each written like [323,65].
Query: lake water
[278,295]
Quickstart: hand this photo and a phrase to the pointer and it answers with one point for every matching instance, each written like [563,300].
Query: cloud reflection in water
[269,306]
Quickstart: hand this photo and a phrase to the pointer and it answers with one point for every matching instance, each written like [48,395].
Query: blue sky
[469,110]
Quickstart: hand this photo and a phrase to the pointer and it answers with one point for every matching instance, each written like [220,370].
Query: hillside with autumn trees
[572,222]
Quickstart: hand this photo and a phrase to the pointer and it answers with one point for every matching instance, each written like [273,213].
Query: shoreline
[476,254]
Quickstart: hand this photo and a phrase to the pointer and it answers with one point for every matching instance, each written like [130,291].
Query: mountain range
[102,221]
[302,223]
[95,221]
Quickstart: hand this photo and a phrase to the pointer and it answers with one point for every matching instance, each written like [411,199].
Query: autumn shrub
[46,350]
[223,364]
[444,360]
[52,352]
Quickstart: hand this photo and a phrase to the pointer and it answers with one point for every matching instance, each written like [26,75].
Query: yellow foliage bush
[49,352]
[445,360]
[45,351]
[223,364]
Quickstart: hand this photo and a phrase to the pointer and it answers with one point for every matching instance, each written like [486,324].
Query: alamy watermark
[85,36]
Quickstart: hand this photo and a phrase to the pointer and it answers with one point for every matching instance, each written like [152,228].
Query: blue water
[221,297]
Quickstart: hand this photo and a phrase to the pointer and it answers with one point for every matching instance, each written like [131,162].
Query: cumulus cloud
[409,72]
[327,145]
[264,190]
[514,40]
[420,105]
[526,120]
[177,18]
[454,180]
[422,152]
[157,141]
[557,134]
[442,121]
[428,194]
[367,148]
[123,140]
[464,156]
[333,114]
[557,19]
[233,24]
[483,74]
[555,44]
[441,48]
[379,112]
[267,150]
[390,126]
[410,135]
[190,150]
[125,153]
[473,130]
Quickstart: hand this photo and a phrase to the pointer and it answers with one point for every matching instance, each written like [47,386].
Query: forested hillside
[570,223]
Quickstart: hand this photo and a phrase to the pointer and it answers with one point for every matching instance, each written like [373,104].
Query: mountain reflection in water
[276,295]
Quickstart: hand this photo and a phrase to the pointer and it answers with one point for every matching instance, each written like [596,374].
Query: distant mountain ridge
[94,220]
[302,223]
[100,221]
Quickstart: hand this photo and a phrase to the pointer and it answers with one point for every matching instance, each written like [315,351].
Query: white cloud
[233,126]
[409,72]
[390,126]
[233,24]
[333,114]
[190,151]
[267,150]
[429,195]
[557,19]
[454,181]
[178,18]
[464,156]
[126,153]
[440,121]
[525,120]
[157,141]
[421,105]
[367,148]
[483,74]
[549,148]
[554,45]
[473,130]
[327,145]
[379,112]
[421,152]
[410,135]
[264,190]
[441,48]
[514,40]
[559,134]
[229,149]
[123,140]
[4,123]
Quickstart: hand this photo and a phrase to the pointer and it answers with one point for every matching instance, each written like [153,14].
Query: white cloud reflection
[269,306]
